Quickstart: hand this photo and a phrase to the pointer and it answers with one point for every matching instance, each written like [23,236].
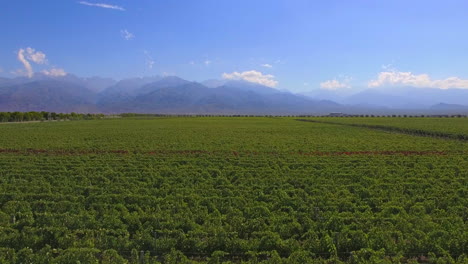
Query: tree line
[45,116]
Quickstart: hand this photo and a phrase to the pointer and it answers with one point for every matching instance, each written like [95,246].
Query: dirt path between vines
[223,153]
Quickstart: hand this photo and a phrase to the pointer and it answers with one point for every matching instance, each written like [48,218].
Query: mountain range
[174,95]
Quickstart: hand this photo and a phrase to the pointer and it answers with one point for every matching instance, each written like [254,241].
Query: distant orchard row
[44,116]
[52,116]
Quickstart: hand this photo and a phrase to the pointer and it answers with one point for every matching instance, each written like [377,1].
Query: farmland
[233,189]
[439,127]
[447,125]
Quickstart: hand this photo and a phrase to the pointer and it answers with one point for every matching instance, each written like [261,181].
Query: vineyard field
[233,190]
[451,127]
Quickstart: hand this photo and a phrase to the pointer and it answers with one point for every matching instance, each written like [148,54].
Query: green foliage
[45,116]
[229,190]
[368,255]
[217,257]
[455,128]
[111,256]
[176,257]
[77,255]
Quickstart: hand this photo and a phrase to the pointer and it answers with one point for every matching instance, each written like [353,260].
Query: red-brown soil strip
[63,152]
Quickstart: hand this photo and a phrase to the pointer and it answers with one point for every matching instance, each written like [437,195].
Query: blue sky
[300,45]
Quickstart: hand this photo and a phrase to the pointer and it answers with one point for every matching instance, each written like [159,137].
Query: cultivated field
[235,189]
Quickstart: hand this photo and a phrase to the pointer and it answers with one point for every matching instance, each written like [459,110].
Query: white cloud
[55,72]
[335,84]
[27,66]
[36,56]
[28,55]
[102,5]
[252,76]
[266,65]
[395,78]
[192,63]
[207,62]
[126,34]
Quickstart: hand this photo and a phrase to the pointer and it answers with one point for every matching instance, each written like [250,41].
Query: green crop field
[456,128]
[234,190]
[445,125]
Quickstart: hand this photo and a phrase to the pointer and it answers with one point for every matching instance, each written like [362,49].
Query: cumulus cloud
[266,65]
[27,66]
[55,72]
[335,84]
[36,56]
[102,5]
[252,76]
[126,34]
[397,78]
[30,55]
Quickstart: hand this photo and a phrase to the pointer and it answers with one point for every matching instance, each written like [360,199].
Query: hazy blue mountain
[407,97]
[180,98]
[252,87]
[124,90]
[213,83]
[14,81]
[189,97]
[431,96]
[393,98]
[230,99]
[98,84]
[129,86]
[175,95]
[6,82]
[322,94]
[95,84]
[47,95]
[235,98]
[450,107]
[241,85]
[376,98]
[149,95]
[169,81]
